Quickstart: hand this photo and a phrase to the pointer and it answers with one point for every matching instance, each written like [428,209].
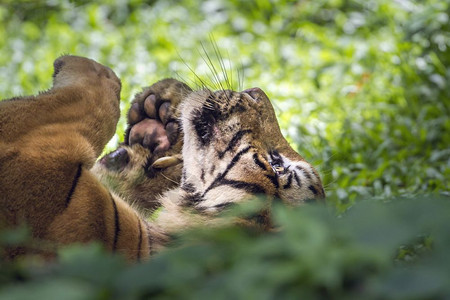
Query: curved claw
[167,161]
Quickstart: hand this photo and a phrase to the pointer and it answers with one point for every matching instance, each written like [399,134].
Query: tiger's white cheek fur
[202,162]
[220,196]
[224,194]
[191,162]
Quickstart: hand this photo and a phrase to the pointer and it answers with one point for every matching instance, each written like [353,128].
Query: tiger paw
[153,117]
[148,162]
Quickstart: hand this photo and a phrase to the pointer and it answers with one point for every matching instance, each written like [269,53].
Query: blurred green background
[361,89]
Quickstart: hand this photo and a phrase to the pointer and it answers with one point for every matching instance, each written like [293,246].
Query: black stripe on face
[74,185]
[313,189]
[116,224]
[235,160]
[204,120]
[221,176]
[258,162]
[188,187]
[202,176]
[140,241]
[274,180]
[242,185]
[236,138]
[297,179]
[304,172]
[192,199]
[223,205]
[288,184]
[216,208]
[213,168]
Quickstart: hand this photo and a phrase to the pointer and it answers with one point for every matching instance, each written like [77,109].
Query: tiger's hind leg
[48,143]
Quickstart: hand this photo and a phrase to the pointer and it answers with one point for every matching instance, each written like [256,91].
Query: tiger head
[233,149]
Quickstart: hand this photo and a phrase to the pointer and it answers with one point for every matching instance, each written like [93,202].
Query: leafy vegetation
[361,88]
[314,256]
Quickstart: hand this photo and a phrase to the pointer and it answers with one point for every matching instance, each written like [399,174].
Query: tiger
[187,156]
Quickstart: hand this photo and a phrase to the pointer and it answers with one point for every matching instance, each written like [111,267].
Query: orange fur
[48,143]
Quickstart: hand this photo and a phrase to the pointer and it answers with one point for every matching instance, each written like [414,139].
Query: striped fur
[231,146]
[233,150]
[239,152]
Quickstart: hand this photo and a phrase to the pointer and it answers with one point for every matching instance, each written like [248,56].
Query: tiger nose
[256,93]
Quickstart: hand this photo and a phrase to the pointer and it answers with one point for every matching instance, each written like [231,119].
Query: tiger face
[233,149]
[230,146]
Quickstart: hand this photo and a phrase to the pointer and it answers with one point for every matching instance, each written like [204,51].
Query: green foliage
[361,88]
[315,255]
